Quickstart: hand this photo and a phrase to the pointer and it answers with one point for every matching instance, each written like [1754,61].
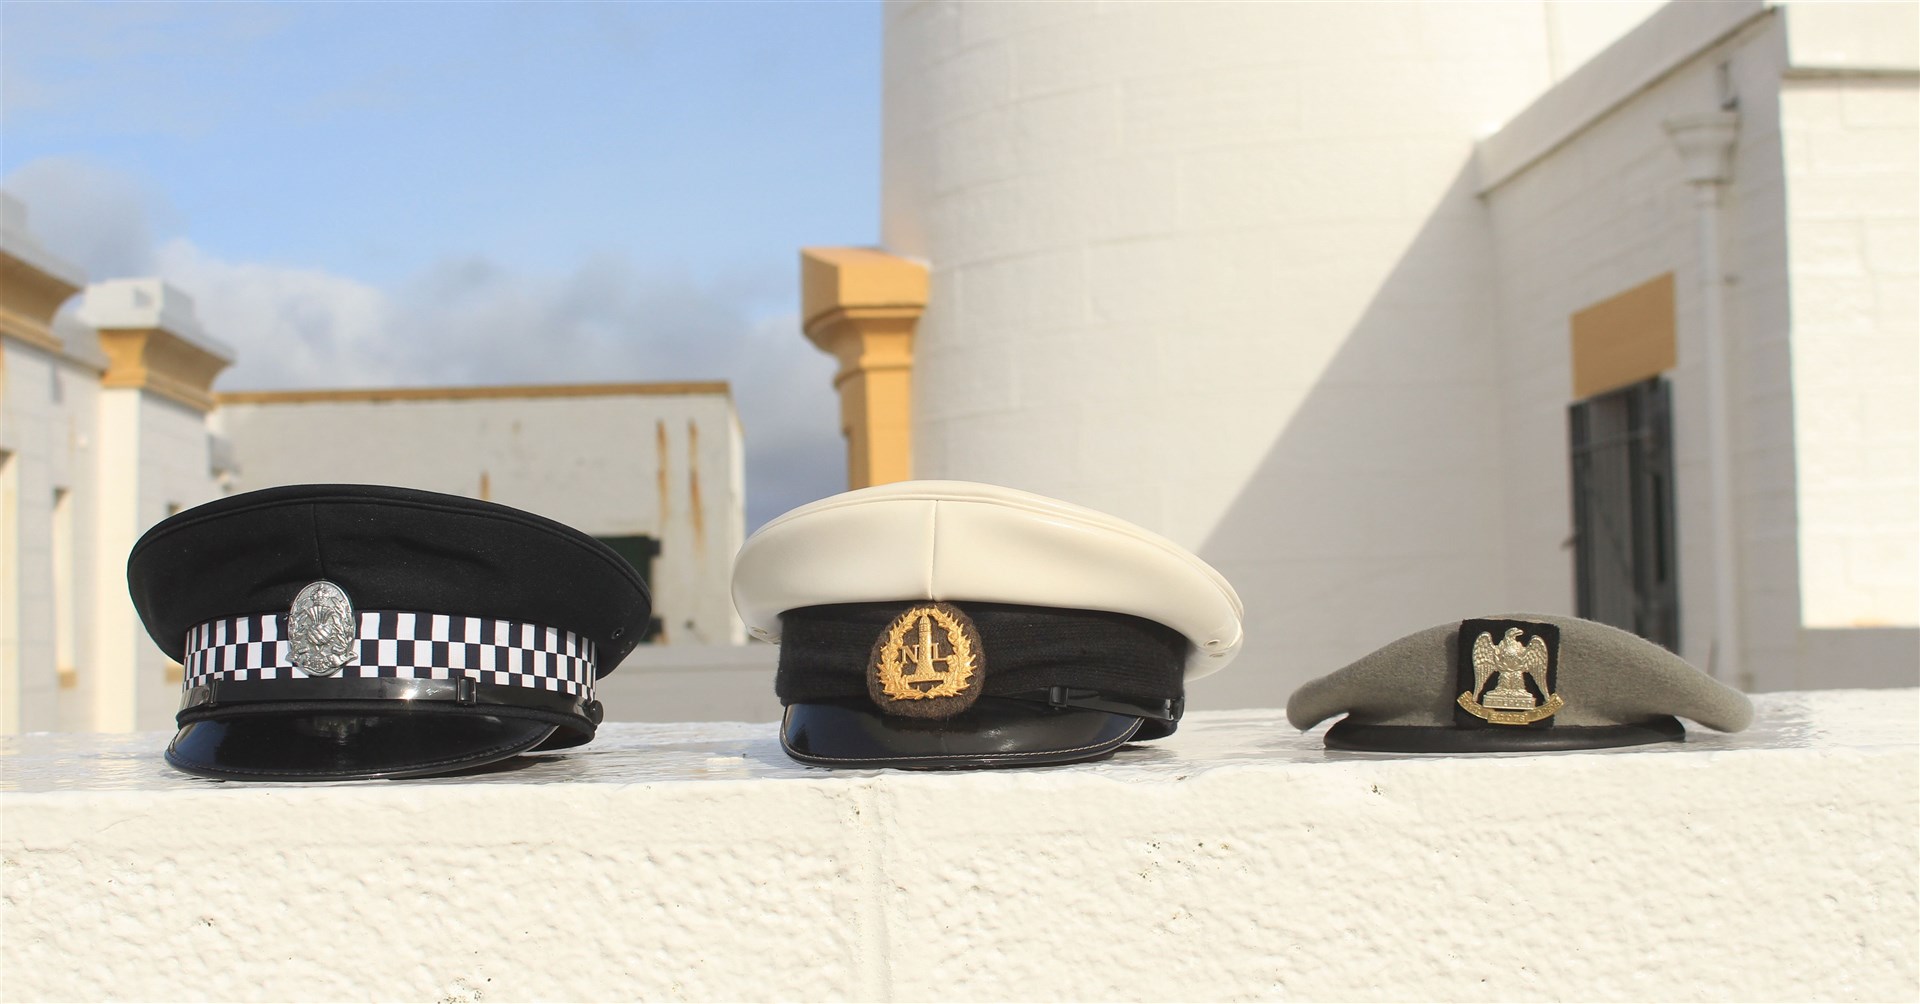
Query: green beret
[1518,682]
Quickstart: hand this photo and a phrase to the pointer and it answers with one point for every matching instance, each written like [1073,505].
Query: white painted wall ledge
[1236,861]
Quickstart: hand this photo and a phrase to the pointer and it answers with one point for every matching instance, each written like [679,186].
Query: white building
[109,424]
[1339,295]
[654,469]
[102,434]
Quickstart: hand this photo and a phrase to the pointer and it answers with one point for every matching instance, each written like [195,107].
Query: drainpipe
[1705,142]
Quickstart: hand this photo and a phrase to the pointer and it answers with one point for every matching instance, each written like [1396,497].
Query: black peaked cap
[391,549]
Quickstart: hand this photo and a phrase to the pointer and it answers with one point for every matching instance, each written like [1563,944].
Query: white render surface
[1608,210]
[124,458]
[1237,860]
[155,457]
[1292,285]
[693,683]
[1817,236]
[1852,157]
[50,425]
[1219,269]
[666,465]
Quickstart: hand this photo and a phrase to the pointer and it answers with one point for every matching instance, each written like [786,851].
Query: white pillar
[1705,142]
[118,638]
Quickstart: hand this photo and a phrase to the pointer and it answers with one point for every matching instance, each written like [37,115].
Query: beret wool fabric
[1606,676]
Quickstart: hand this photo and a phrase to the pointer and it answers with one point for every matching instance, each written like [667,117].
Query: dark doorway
[1625,567]
[640,551]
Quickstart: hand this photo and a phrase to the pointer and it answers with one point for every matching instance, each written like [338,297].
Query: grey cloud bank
[469,320]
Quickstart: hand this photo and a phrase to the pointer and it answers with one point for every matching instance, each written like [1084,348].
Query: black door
[1624,557]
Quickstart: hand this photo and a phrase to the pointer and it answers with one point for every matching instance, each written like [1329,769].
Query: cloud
[289,327]
[95,217]
[119,63]
[470,321]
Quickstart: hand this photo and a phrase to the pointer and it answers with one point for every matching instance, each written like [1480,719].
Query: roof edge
[376,394]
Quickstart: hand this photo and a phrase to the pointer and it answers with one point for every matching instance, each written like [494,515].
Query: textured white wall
[1818,247]
[49,422]
[1218,268]
[127,458]
[1227,271]
[1852,154]
[10,639]
[609,465]
[50,430]
[693,683]
[1611,209]
[175,472]
[1237,860]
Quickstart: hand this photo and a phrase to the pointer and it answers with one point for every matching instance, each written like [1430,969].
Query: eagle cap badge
[928,663]
[1509,671]
[321,629]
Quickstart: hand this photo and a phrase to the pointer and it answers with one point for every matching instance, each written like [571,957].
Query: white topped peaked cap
[961,540]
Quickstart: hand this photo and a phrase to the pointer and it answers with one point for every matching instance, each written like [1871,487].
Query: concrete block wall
[125,456]
[153,457]
[1219,269]
[49,422]
[175,472]
[1823,353]
[693,683]
[1852,151]
[1610,209]
[1235,860]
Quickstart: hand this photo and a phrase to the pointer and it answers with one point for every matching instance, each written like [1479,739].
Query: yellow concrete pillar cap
[862,306]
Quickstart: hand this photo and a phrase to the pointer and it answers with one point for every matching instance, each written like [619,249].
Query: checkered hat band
[402,645]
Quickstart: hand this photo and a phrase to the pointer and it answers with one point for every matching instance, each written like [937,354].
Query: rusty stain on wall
[698,512]
[660,454]
[486,487]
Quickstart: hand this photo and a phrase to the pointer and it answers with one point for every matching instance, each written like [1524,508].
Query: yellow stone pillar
[862,305]
[161,361]
[29,297]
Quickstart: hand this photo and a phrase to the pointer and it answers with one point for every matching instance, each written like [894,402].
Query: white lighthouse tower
[1405,313]
[1218,269]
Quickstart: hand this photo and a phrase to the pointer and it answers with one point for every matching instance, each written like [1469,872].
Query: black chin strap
[213,694]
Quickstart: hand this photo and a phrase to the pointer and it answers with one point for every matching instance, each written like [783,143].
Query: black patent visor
[330,730]
[995,732]
[349,741]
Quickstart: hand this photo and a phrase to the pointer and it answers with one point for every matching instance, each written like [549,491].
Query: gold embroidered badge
[1509,664]
[927,663]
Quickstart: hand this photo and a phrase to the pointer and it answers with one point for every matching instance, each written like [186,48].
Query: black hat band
[1066,658]
[395,645]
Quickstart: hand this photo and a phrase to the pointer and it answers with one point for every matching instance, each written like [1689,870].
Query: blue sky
[370,194]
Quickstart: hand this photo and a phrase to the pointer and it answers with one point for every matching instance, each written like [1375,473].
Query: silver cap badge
[321,629]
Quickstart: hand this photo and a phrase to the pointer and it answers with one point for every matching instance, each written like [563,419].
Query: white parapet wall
[693,683]
[1235,860]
